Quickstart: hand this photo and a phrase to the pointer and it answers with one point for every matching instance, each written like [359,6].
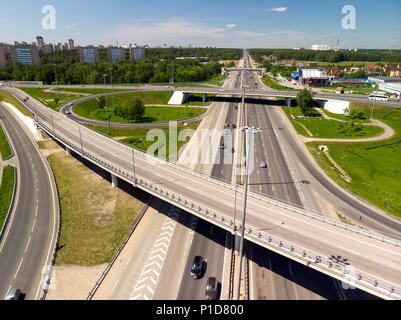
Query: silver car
[263,164]
[13,294]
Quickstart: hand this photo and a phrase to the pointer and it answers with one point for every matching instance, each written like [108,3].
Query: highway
[30,238]
[274,276]
[364,254]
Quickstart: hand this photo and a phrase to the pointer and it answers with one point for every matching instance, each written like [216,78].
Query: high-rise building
[137,53]
[88,54]
[39,42]
[70,44]
[115,54]
[3,61]
[64,46]
[25,54]
[47,48]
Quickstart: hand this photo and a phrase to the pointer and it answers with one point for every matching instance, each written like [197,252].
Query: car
[211,289]
[222,146]
[227,125]
[225,131]
[13,294]
[27,98]
[235,107]
[70,104]
[233,126]
[263,164]
[67,112]
[197,267]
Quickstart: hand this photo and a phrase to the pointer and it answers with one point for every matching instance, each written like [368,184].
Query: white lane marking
[15,275]
[34,222]
[29,240]
[114,287]
[354,252]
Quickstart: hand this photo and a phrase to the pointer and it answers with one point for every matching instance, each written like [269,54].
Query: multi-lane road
[360,251]
[27,248]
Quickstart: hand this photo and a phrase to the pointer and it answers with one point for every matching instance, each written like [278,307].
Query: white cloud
[229,26]
[281,9]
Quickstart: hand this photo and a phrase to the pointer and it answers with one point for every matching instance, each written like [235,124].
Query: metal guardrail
[263,238]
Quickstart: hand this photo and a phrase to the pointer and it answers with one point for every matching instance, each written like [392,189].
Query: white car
[263,164]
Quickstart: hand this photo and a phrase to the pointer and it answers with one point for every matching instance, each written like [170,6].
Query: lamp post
[112,86]
[249,132]
[107,105]
[55,76]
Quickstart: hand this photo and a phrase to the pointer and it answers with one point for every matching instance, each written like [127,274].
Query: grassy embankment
[6,191]
[90,108]
[136,137]
[6,97]
[90,91]
[48,98]
[5,149]
[323,128]
[94,216]
[375,167]
[271,83]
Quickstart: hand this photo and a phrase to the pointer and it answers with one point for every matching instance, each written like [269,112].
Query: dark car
[211,289]
[233,126]
[197,267]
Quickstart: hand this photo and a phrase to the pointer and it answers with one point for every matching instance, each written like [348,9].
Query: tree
[138,110]
[102,102]
[305,101]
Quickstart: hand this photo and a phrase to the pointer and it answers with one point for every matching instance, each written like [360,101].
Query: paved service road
[28,244]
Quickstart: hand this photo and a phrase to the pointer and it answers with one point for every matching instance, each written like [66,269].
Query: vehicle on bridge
[211,289]
[198,267]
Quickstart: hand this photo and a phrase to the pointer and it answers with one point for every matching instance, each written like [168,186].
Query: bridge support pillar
[237,242]
[114,181]
[67,151]
[288,102]
[204,97]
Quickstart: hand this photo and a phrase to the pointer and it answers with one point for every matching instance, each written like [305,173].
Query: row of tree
[329,56]
[160,65]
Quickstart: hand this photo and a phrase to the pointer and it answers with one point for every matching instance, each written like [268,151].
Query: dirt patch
[72,282]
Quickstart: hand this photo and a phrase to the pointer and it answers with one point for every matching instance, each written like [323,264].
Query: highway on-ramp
[27,247]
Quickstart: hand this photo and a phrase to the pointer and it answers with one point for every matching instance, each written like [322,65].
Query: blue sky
[224,23]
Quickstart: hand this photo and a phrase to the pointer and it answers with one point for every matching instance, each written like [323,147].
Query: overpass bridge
[362,259]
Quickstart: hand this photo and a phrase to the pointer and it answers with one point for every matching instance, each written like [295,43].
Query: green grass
[347,118]
[6,97]
[322,128]
[271,83]
[90,91]
[47,98]
[136,137]
[5,149]
[6,191]
[94,216]
[153,114]
[90,108]
[375,167]
[356,90]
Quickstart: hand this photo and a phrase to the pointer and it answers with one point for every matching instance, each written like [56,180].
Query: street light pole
[249,134]
[373,109]
[112,86]
[55,75]
[107,105]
